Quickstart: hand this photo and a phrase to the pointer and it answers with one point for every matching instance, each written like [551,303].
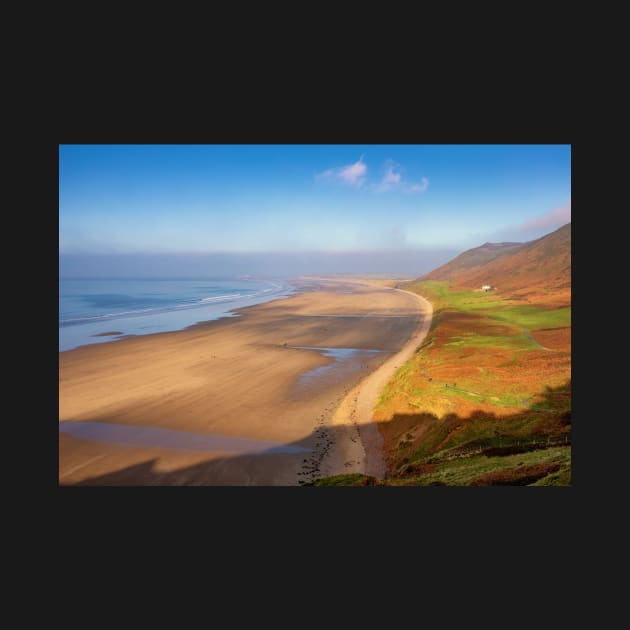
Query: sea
[97,310]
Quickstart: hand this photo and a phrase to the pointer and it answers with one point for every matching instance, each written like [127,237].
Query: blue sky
[252,199]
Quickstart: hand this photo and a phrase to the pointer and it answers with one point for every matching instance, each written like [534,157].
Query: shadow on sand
[415,444]
[297,463]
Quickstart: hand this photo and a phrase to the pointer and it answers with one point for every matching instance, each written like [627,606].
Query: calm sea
[90,307]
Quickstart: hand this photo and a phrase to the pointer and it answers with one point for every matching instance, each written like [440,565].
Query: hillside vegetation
[539,270]
[486,399]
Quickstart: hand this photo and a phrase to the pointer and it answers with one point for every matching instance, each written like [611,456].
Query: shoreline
[364,452]
[99,329]
[121,337]
[227,381]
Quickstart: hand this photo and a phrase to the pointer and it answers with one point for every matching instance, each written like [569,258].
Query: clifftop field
[486,399]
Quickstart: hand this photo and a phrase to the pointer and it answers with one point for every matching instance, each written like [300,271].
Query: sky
[195,209]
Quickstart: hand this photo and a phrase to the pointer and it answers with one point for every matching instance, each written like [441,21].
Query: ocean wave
[220,297]
[198,303]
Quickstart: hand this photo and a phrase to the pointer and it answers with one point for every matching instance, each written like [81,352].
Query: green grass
[533,317]
[511,399]
[354,479]
[526,316]
[472,340]
[486,430]
[503,445]
[461,472]
[441,295]
[451,451]
[401,381]
[429,443]
[558,399]
[560,478]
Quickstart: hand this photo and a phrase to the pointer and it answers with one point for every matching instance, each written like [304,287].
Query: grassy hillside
[534,271]
[486,399]
[491,381]
[473,258]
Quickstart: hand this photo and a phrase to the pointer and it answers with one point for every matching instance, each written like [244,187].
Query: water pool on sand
[345,361]
[157,437]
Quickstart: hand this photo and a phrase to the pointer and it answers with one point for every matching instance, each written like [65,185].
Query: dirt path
[531,338]
[362,450]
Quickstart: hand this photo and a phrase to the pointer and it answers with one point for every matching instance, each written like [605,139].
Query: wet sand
[247,400]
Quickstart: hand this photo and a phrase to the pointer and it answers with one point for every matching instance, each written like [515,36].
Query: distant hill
[472,258]
[543,264]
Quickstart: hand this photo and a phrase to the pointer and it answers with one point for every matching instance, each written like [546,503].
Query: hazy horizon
[279,264]
[194,210]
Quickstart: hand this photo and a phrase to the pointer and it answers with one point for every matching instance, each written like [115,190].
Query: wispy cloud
[421,187]
[528,230]
[393,180]
[355,175]
[552,219]
[351,174]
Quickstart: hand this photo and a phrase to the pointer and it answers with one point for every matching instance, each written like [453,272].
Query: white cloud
[351,174]
[393,180]
[355,175]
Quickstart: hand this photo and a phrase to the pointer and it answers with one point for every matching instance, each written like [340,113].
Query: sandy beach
[248,400]
[358,438]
